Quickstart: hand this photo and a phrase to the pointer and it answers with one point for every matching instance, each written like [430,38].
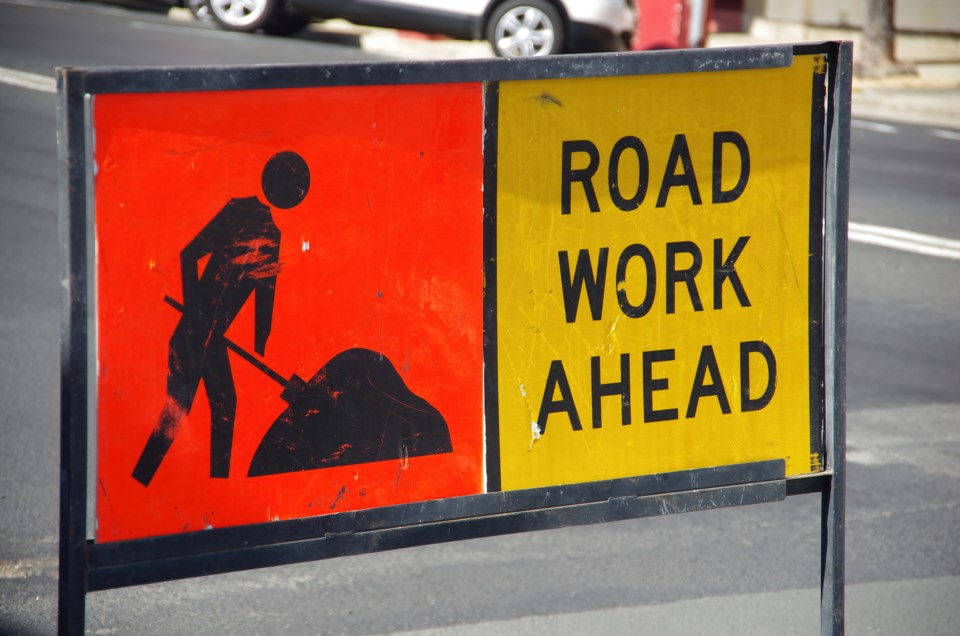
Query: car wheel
[199,9]
[525,28]
[270,16]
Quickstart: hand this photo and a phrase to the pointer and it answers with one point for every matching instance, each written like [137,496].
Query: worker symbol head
[286,179]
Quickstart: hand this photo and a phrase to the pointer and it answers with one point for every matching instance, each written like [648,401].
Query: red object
[384,253]
[667,24]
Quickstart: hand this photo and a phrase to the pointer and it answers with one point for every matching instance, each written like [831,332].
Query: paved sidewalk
[909,101]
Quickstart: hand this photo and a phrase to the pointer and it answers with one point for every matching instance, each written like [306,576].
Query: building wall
[928,31]
[928,15]
[922,16]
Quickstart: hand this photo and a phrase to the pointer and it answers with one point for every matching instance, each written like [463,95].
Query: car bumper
[585,37]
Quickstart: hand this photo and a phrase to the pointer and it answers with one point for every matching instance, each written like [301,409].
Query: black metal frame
[836,192]
[87,566]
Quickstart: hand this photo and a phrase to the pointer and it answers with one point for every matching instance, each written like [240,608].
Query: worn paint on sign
[332,234]
[653,274]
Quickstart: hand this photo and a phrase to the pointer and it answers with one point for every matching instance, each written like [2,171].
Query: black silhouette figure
[243,245]
[355,409]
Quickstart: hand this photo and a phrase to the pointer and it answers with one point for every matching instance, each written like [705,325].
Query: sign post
[833,486]
[416,303]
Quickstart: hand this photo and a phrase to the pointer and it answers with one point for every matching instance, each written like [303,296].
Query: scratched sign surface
[350,266]
[654,262]
[295,315]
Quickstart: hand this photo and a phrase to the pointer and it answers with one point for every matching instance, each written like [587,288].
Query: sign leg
[835,340]
[832,556]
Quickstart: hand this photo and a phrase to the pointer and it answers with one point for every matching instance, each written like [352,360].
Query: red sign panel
[289,303]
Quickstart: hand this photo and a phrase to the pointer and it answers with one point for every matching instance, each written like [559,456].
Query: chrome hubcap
[524,32]
[238,12]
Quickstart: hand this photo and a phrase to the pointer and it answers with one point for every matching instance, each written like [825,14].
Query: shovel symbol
[355,409]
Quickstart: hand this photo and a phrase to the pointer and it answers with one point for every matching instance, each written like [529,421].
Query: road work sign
[359,307]
[658,285]
[294,317]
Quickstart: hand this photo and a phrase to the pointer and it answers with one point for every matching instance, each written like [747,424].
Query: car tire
[525,28]
[199,9]
[269,16]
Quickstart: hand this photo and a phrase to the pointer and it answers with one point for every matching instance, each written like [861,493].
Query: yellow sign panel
[654,259]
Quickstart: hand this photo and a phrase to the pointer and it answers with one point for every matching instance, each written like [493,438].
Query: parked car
[513,27]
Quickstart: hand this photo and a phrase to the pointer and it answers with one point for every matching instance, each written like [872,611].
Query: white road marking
[904,240]
[875,126]
[863,457]
[46,4]
[32,81]
[952,135]
[26,568]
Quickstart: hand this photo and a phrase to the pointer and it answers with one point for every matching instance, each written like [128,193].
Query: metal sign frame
[87,566]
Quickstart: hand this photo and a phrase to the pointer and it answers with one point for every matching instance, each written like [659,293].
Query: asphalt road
[748,570]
